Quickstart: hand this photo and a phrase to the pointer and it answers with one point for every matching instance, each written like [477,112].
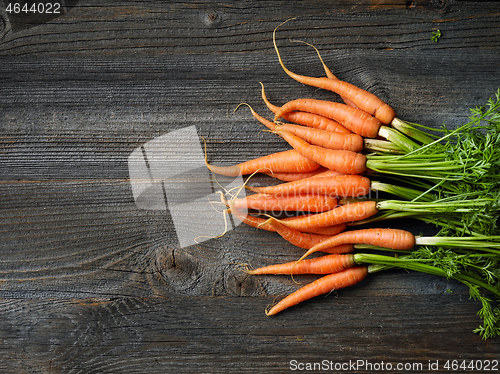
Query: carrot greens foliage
[464,158]
[467,247]
[478,271]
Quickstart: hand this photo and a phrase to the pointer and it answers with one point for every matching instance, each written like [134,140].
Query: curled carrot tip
[240,104]
[271,308]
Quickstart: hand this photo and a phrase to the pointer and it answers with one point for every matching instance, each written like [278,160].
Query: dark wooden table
[92,283]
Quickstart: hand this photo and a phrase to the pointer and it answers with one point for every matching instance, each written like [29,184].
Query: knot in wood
[212,18]
[237,283]
[178,269]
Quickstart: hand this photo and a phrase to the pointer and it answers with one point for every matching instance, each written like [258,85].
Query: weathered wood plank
[207,27]
[159,90]
[196,335]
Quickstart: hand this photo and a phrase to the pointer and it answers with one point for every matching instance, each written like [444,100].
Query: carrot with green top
[361,123]
[386,238]
[341,185]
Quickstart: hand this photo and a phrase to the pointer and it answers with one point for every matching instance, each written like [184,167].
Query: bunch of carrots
[340,153]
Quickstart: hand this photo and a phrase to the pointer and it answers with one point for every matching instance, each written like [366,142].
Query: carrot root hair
[229,204]
[225,215]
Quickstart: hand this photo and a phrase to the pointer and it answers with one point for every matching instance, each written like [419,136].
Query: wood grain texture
[209,336]
[90,283]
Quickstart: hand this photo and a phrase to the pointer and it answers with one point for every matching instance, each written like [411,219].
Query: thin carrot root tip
[267,310]
[270,307]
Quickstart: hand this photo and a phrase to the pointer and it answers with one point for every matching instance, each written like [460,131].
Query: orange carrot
[289,177]
[265,224]
[346,162]
[387,238]
[364,100]
[322,138]
[327,230]
[320,265]
[300,239]
[320,172]
[257,222]
[291,203]
[326,139]
[308,119]
[354,119]
[328,173]
[328,283]
[342,185]
[342,214]
[287,161]
[308,240]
